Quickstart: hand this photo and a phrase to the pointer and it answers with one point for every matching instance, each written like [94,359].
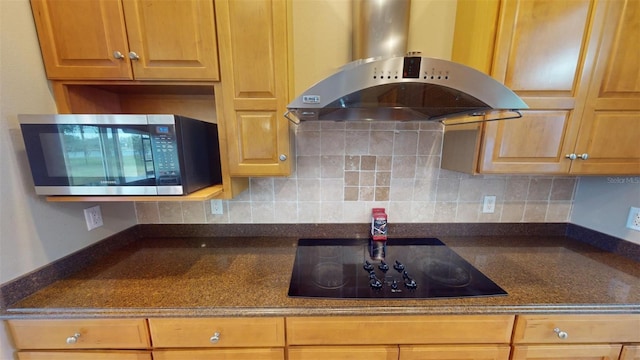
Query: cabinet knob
[215,338]
[584,156]
[283,157]
[118,55]
[73,339]
[133,56]
[571,156]
[561,334]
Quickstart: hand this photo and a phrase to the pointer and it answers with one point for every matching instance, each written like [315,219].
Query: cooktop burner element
[414,268]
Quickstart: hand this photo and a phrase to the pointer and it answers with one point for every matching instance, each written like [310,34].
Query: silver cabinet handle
[133,56]
[118,55]
[561,334]
[73,339]
[584,156]
[282,157]
[571,156]
[215,338]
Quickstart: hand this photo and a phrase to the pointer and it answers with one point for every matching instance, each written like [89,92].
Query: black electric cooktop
[413,268]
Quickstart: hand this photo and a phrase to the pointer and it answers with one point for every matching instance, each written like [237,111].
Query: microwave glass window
[99,155]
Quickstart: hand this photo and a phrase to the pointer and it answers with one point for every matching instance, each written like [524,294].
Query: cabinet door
[342,352]
[466,352]
[253,66]
[84,355]
[225,354]
[566,352]
[82,46]
[543,53]
[173,39]
[610,127]
[630,352]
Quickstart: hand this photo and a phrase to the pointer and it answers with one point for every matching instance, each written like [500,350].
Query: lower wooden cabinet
[630,352]
[217,332]
[84,355]
[343,352]
[222,354]
[80,334]
[457,352]
[429,337]
[566,352]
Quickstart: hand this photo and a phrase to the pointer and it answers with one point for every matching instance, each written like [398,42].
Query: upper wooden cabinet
[575,64]
[124,40]
[253,47]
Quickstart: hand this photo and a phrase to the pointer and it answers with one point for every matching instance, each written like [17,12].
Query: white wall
[33,232]
[602,204]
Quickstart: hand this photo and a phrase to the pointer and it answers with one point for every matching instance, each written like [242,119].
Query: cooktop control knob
[398,266]
[375,283]
[408,281]
[383,266]
[367,265]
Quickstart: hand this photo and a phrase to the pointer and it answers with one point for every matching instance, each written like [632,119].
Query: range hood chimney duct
[384,82]
[380,28]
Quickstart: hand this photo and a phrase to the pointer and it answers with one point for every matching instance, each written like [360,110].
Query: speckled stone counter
[249,276]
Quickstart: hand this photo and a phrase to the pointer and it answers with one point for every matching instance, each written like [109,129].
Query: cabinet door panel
[610,127]
[566,352]
[459,352]
[343,353]
[537,142]
[174,39]
[254,69]
[81,47]
[546,58]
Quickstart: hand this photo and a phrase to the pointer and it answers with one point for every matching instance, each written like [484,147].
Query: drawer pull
[73,339]
[561,334]
[215,338]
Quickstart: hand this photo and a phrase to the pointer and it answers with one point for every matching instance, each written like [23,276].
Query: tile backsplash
[343,169]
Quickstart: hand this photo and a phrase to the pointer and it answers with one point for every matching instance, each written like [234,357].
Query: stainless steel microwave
[120,154]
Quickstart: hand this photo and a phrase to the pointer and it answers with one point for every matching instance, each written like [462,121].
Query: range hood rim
[365,73]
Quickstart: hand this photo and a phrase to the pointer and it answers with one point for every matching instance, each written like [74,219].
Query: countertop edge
[318,311]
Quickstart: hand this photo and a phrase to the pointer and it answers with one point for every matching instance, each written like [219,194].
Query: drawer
[84,355]
[221,354]
[343,352]
[442,352]
[360,330]
[231,332]
[80,334]
[550,329]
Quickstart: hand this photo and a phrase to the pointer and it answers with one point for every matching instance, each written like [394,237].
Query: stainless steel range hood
[385,84]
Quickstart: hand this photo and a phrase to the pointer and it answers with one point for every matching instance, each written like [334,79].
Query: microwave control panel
[165,154]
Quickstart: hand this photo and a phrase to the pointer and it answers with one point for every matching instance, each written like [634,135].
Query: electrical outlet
[216,207]
[93,217]
[633,221]
[489,204]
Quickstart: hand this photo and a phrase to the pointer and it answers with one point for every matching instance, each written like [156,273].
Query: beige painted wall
[33,232]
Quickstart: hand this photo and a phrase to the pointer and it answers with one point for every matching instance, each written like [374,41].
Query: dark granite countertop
[249,276]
